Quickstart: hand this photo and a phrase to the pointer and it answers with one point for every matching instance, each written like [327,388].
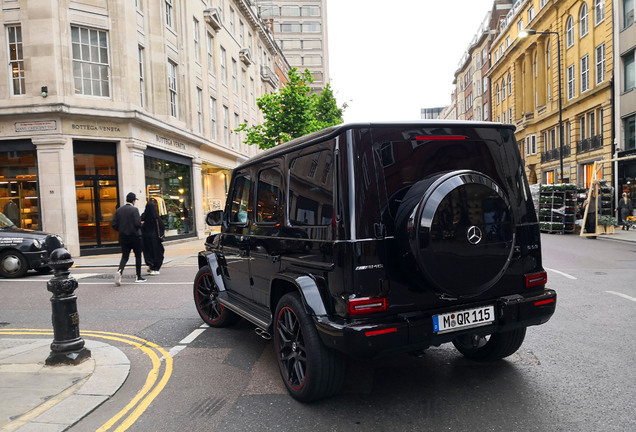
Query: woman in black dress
[152,232]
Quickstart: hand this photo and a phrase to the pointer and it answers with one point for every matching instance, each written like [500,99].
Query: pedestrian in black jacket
[128,223]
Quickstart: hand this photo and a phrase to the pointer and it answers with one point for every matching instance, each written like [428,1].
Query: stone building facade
[105,97]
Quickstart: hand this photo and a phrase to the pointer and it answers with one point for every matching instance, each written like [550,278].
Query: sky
[389,59]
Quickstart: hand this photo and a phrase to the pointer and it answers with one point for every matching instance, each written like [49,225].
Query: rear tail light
[366,305]
[536,279]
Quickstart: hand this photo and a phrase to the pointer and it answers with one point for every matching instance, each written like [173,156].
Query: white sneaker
[140,279]
[154,272]
[117,278]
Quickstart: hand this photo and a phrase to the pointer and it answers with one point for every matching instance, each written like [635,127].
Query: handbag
[162,237]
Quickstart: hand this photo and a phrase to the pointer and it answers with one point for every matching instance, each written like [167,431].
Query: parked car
[23,249]
[413,235]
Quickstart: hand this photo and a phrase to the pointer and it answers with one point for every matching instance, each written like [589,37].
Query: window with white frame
[553,144]
[510,115]
[585,73]
[195,38]
[520,26]
[629,71]
[244,84]
[91,68]
[503,117]
[252,96]
[210,49]
[485,116]
[531,13]
[237,134]
[599,11]
[548,59]
[234,76]
[226,125]
[569,32]
[172,88]
[223,66]
[16,60]
[509,85]
[591,121]
[241,34]
[542,3]
[142,90]
[582,135]
[232,21]
[212,118]
[600,63]
[485,85]
[200,109]
[221,10]
[503,89]
[571,81]
[169,13]
[498,94]
[531,145]
[583,23]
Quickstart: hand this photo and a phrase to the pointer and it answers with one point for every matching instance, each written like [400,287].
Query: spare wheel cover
[462,233]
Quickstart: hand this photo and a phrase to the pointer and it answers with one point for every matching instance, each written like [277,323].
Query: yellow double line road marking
[150,389]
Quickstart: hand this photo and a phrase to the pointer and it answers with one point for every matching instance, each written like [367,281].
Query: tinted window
[311,189]
[240,207]
[269,196]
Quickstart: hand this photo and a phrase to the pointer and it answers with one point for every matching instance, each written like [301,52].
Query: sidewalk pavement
[39,398]
[35,397]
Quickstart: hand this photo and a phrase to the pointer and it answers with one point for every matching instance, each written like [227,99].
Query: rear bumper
[375,337]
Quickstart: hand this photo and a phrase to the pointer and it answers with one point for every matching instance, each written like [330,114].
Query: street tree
[293,111]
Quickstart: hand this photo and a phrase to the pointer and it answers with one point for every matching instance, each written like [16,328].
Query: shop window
[169,181]
[269,196]
[19,188]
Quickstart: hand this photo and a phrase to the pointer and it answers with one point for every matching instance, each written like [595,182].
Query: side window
[269,194]
[311,195]
[240,207]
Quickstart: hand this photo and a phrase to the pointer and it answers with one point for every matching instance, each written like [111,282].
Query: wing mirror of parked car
[214,218]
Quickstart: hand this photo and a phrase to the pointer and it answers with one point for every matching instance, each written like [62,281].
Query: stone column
[58,204]
[132,171]
[541,83]
[528,88]
[197,198]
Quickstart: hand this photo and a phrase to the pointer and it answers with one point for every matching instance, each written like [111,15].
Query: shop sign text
[96,128]
[170,142]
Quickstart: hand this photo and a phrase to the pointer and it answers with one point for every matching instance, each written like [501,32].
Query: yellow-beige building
[524,87]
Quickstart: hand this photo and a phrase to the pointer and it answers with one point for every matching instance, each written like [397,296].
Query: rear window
[408,155]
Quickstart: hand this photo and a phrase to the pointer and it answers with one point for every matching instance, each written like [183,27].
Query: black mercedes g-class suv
[375,239]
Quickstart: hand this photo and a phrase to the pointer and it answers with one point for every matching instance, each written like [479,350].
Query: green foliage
[293,112]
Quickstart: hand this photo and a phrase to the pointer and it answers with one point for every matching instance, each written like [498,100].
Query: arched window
[583,25]
[503,89]
[509,85]
[497,93]
[569,32]
[599,11]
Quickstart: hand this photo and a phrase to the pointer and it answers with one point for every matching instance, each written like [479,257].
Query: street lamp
[524,34]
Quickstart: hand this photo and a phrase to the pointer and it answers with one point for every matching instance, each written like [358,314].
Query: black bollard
[67,347]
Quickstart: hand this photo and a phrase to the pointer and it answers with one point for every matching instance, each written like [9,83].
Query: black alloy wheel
[13,264]
[492,347]
[310,370]
[206,299]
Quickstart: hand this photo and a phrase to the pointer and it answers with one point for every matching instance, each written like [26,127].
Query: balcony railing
[553,154]
[589,144]
[268,75]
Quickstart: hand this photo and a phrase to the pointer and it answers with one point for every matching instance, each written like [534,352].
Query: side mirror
[214,218]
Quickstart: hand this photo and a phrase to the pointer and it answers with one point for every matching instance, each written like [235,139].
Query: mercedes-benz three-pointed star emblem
[474,235]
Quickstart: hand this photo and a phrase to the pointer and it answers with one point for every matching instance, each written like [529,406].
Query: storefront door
[96,193]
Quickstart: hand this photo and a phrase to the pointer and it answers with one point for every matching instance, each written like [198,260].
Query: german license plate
[463,319]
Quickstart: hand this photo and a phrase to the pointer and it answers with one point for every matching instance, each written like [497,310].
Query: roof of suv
[333,131]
